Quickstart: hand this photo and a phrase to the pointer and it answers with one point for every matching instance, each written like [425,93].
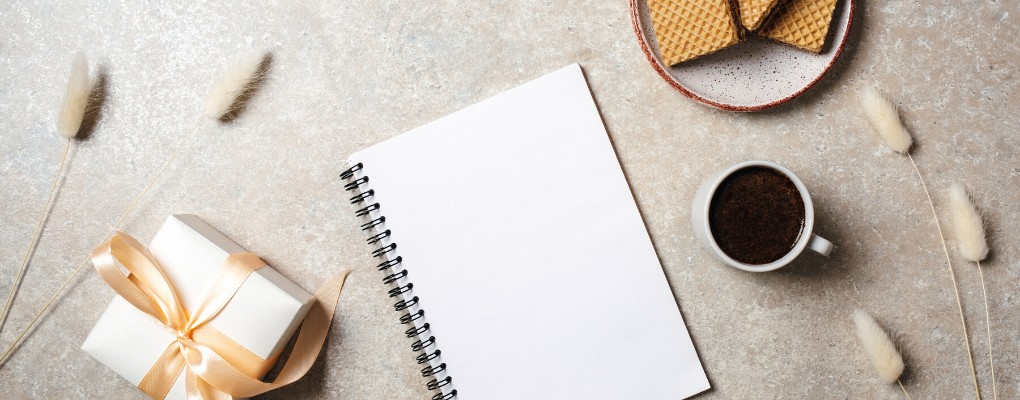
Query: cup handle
[820,245]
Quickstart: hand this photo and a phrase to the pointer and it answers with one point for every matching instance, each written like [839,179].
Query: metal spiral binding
[404,304]
[436,383]
[425,357]
[420,345]
[393,277]
[415,331]
[429,370]
[448,396]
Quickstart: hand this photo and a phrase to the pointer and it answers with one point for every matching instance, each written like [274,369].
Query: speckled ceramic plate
[755,75]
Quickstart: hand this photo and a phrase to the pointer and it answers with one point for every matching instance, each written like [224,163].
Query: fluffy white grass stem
[31,243]
[967,225]
[952,275]
[46,306]
[970,241]
[883,117]
[226,91]
[76,99]
[879,347]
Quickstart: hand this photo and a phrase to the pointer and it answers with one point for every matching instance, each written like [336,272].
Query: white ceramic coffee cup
[703,231]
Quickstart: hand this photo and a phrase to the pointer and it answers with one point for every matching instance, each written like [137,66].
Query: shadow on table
[312,385]
[813,265]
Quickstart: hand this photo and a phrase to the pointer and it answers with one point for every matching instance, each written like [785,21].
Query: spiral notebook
[515,252]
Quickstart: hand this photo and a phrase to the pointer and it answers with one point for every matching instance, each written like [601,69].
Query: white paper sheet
[528,253]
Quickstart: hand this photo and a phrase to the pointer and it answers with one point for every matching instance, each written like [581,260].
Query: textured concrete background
[348,75]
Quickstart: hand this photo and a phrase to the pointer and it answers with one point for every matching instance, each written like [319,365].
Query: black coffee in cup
[756,215]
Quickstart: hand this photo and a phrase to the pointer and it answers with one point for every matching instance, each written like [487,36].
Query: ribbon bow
[217,367]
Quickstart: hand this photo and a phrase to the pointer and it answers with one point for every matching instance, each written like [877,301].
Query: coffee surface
[757,215]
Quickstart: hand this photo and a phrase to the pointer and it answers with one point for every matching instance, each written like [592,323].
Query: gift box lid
[191,253]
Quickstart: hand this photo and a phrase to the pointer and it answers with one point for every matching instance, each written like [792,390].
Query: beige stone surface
[347,75]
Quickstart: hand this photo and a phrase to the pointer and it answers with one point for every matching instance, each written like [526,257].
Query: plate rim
[661,69]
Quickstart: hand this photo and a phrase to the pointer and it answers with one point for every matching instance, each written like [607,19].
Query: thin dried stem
[31,243]
[904,389]
[952,275]
[988,327]
[3,357]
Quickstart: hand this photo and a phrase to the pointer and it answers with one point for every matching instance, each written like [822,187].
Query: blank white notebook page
[528,254]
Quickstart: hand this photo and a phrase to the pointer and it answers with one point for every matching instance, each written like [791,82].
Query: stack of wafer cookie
[801,23]
[687,29]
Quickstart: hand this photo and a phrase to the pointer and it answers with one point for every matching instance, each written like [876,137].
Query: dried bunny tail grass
[970,238]
[225,92]
[952,276]
[880,349]
[884,118]
[79,87]
[223,99]
[970,232]
[72,113]
[882,115]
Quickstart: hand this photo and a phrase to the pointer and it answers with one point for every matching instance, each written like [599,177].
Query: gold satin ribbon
[217,367]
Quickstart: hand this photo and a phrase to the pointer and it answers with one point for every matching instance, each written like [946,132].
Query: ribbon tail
[215,371]
[199,389]
[313,330]
[163,374]
[209,392]
[191,381]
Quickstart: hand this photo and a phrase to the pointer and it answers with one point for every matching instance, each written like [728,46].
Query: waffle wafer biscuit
[687,29]
[754,12]
[801,23]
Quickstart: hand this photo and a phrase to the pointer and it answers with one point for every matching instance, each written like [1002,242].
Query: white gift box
[261,317]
